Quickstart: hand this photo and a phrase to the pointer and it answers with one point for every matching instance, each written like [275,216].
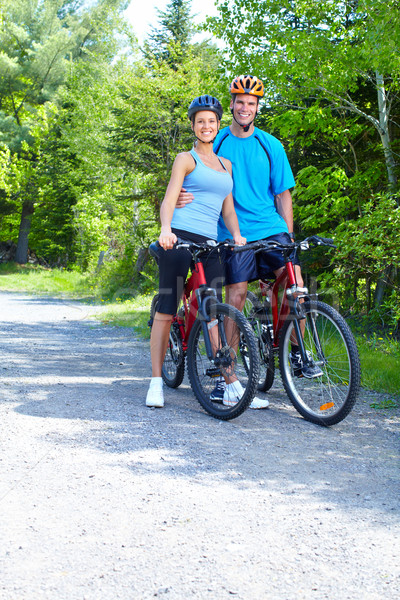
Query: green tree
[75,165]
[333,79]
[326,50]
[40,41]
[152,124]
[171,38]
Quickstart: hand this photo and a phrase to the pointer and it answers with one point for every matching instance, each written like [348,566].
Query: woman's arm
[183,164]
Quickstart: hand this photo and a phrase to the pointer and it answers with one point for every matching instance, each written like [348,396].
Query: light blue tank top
[209,188]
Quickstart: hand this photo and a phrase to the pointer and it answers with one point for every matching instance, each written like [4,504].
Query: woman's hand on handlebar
[167,239]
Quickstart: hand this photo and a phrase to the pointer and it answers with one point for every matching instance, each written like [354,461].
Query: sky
[142,14]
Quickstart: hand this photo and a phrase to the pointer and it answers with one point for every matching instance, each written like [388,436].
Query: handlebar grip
[261,245]
[250,246]
[324,241]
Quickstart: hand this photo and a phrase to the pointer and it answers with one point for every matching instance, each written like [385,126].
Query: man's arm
[284,206]
[231,221]
[184,198]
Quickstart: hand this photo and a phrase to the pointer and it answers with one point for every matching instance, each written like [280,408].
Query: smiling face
[205,125]
[244,108]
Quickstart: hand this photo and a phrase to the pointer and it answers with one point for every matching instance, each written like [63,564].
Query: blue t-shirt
[209,188]
[260,170]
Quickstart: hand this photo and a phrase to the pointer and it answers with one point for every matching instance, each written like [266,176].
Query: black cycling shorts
[174,266]
[250,266]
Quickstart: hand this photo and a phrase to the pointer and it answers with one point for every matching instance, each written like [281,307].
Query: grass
[33,279]
[380,359]
[380,356]
[129,313]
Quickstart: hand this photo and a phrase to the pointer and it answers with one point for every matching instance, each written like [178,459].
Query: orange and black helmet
[247,84]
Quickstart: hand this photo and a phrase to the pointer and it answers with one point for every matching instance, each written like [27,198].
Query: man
[262,180]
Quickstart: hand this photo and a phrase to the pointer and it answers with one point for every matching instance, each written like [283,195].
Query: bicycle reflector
[327,406]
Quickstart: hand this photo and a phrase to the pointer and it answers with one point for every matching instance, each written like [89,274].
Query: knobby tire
[173,369]
[204,373]
[328,399]
[257,316]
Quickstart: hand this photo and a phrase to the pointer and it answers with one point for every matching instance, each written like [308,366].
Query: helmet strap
[245,127]
[203,142]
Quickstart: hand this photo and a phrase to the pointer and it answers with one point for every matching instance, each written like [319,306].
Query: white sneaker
[232,394]
[234,391]
[155,396]
[258,403]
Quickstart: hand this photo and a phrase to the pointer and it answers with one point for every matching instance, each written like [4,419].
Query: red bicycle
[283,315]
[208,334]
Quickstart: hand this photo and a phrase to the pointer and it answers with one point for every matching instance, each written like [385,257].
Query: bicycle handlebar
[207,246]
[210,245]
[313,240]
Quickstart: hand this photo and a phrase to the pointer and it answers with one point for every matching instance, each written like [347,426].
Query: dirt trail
[103,498]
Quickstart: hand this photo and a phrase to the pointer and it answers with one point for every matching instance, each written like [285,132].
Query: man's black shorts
[250,266]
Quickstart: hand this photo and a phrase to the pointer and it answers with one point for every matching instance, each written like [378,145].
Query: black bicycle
[282,315]
[215,338]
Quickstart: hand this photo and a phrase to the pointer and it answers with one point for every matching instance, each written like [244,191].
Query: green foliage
[321,50]
[332,81]
[323,45]
[170,40]
[151,124]
[41,41]
[81,189]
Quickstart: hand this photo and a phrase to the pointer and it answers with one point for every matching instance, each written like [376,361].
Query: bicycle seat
[155,250]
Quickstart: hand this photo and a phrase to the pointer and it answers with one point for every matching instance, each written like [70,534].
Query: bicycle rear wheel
[227,329]
[328,341]
[173,369]
[256,315]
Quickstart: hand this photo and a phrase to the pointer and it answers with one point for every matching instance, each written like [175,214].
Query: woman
[209,178]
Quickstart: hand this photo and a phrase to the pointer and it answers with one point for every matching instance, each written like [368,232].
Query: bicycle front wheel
[227,330]
[329,343]
[173,369]
[257,316]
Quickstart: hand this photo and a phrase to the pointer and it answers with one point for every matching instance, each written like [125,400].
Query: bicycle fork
[298,316]
[206,298]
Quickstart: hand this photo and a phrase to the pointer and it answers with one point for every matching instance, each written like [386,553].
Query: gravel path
[103,498]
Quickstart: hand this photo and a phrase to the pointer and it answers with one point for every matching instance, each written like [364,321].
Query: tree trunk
[142,259]
[368,293]
[21,255]
[384,131]
[381,285]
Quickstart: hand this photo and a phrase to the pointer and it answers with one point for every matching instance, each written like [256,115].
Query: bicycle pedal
[213,372]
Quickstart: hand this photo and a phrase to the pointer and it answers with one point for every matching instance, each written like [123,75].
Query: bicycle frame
[194,298]
[190,302]
[209,340]
[291,295]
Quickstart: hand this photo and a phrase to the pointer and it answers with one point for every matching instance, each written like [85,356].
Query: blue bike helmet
[205,102]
